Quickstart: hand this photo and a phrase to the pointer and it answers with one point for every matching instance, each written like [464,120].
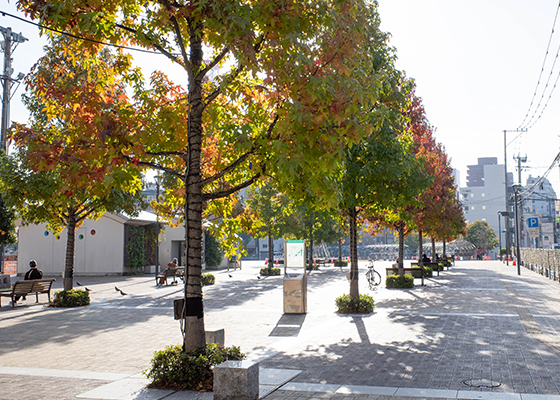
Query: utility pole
[520,211]
[9,44]
[508,233]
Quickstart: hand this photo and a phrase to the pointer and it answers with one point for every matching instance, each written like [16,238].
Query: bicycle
[372,275]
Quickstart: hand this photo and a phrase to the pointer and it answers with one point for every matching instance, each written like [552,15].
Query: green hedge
[174,369]
[267,271]
[363,304]
[341,263]
[208,279]
[399,281]
[70,298]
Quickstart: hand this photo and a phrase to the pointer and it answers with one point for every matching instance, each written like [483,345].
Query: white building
[100,246]
[484,196]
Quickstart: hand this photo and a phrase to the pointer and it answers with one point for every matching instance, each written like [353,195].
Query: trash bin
[295,277]
[295,294]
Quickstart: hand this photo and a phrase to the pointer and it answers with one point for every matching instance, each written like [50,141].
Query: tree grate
[481,383]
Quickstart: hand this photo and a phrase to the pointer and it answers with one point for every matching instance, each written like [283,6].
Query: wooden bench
[172,273]
[433,265]
[415,272]
[23,288]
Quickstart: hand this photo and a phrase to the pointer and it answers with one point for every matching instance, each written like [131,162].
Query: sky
[476,65]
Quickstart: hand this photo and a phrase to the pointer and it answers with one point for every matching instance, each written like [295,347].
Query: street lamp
[506,215]
[500,235]
[516,188]
[158,182]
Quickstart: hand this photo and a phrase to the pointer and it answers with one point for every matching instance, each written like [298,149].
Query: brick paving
[479,320]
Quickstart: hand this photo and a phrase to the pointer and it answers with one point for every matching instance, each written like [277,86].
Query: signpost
[533,224]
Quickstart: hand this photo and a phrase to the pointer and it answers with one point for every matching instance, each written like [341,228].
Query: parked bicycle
[372,275]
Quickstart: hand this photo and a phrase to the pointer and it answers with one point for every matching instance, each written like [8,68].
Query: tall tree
[481,234]
[54,176]
[270,86]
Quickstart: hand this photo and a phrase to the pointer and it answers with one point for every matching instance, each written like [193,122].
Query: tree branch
[155,166]
[230,191]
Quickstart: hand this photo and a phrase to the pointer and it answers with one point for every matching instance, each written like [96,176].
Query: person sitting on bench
[33,273]
[425,258]
[172,264]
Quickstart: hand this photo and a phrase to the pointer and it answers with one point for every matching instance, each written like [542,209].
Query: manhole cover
[481,383]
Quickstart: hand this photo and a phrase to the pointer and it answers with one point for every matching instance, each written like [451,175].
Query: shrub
[399,281]
[312,267]
[208,279]
[172,368]
[341,263]
[70,298]
[213,254]
[345,304]
[428,272]
[267,271]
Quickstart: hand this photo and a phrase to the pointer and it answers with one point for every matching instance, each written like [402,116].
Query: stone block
[236,380]
[218,336]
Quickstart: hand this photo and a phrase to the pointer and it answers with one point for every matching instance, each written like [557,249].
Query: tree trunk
[354,288]
[401,248]
[339,250]
[433,249]
[271,250]
[193,333]
[311,247]
[70,244]
[420,247]
[444,248]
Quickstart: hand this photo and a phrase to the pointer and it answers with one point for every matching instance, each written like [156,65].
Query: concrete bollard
[218,337]
[236,380]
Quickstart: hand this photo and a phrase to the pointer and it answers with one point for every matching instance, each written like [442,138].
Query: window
[484,207]
[472,194]
[481,194]
[472,207]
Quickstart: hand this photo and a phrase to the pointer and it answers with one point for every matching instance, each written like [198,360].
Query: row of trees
[301,95]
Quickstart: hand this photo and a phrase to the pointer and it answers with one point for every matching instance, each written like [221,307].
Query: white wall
[95,254]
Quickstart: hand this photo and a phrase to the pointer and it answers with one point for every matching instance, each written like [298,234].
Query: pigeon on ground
[117,289]
[88,289]
[79,284]
[258,277]
[123,293]
[231,276]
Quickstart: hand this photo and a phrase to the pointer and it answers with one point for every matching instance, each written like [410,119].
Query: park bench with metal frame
[24,288]
[172,273]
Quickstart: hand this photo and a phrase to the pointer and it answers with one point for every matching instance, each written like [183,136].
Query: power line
[4,13]
[524,195]
[540,76]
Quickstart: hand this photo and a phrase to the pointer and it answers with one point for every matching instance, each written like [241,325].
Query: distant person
[425,258]
[171,264]
[33,273]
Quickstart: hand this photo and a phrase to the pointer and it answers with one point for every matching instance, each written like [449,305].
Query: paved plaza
[478,331]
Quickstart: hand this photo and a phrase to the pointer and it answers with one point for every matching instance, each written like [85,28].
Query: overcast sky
[476,65]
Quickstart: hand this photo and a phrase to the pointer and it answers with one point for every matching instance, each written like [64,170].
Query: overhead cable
[528,124]
[4,13]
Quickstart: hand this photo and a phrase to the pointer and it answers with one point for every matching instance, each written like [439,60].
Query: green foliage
[411,241]
[172,368]
[212,251]
[7,225]
[363,304]
[503,251]
[341,263]
[395,281]
[481,234]
[428,272]
[312,267]
[208,279]
[135,247]
[268,271]
[70,298]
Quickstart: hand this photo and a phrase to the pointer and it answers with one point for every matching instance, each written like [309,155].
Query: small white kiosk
[295,277]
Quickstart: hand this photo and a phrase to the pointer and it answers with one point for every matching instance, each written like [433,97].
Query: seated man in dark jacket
[33,273]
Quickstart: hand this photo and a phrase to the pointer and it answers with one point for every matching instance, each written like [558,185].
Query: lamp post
[500,235]
[515,190]
[158,182]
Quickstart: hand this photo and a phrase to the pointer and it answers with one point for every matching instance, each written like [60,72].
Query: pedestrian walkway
[478,331]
